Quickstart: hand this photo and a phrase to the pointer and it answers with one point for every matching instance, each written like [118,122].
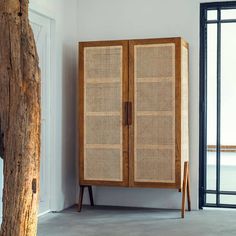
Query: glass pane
[212,15]
[228,84]
[211,170]
[228,199]
[228,14]
[210,198]
[228,171]
[211,104]
[228,111]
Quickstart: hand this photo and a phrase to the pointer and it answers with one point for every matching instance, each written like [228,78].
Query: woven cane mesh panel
[103,129]
[151,165]
[103,62]
[184,107]
[103,164]
[103,97]
[155,130]
[154,144]
[149,94]
[155,61]
[103,113]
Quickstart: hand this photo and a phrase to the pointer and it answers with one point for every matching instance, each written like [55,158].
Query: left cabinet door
[103,88]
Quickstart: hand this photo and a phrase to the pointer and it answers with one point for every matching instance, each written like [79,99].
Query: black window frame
[204,7]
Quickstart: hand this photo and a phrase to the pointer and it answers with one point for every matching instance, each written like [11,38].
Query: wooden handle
[125,113]
[129,115]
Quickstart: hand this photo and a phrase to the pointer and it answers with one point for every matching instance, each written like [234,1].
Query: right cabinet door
[155,133]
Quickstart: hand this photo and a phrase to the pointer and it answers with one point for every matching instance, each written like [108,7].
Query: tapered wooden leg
[81,195]
[91,195]
[188,190]
[184,188]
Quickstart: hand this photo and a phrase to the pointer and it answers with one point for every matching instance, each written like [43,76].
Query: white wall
[63,171]
[127,19]
[79,20]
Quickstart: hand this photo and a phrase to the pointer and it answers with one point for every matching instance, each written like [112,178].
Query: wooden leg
[188,190]
[81,195]
[184,188]
[91,195]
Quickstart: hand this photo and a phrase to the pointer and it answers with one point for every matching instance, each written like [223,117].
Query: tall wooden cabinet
[133,116]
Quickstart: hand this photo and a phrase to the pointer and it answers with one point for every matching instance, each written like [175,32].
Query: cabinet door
[155,94]
[103,132]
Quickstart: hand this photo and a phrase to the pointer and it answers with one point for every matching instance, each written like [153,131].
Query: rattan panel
[155,60]
[154,82]
[103,130]
[155,130]
[155,96]
[151,166]
[103,62]
[103,113]
[103,164]
[103,97]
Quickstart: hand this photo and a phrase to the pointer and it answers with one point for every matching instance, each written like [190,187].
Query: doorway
[217,105]
[41,26]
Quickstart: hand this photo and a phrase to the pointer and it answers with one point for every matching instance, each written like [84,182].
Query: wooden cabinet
[133,112]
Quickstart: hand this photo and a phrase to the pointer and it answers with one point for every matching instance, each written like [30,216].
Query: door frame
[203,103]
[37,9]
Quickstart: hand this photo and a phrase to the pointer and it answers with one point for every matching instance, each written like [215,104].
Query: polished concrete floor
[115,221]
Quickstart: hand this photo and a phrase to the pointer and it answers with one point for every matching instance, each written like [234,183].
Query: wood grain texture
[81,114]
[178,130]
[19,119]
[184,58]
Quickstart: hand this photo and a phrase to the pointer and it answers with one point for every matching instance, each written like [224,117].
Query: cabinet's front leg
[184,188]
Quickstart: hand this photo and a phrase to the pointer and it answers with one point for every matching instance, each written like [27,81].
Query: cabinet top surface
[134,41]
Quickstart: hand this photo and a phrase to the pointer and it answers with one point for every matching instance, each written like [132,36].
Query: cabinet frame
[128,97]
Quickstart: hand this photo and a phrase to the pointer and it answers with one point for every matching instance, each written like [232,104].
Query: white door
[42,33]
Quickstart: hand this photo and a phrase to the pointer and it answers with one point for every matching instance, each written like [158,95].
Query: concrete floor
[116,221]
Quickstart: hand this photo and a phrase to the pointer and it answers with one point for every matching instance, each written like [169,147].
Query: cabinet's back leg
[91,195]
[188,190]
[81,195]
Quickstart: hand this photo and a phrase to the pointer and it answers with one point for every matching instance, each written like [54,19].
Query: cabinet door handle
[125,113]
[129,113]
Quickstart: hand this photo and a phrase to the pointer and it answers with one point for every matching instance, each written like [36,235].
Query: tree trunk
[19,119]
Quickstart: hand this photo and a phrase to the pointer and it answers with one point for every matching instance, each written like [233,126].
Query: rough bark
[19,119]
